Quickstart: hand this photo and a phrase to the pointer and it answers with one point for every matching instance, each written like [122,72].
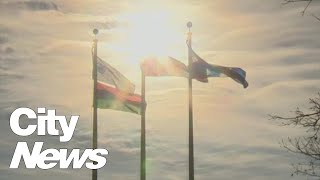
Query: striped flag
[108,74]
[115,91]
[109,97]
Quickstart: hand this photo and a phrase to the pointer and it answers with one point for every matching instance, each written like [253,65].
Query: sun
[151,32]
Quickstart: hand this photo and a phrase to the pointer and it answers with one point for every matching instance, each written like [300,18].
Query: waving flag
[164,67]
[114,90]
[107,74]
[109,97]
[201,70]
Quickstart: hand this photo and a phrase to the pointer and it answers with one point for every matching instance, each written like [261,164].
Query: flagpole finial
[189,25]
[95,32]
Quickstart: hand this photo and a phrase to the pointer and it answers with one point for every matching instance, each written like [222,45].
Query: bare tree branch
[308,145]
[316,17]
[305,9]
[295,1]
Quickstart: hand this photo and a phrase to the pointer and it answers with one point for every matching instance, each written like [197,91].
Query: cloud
[32,5]
[3,39]
[45,60]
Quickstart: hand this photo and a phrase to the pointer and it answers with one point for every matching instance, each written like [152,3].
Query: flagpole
[95,112]
[191,152]
[143,130]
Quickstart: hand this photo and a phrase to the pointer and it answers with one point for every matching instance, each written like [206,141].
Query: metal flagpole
[95,112]
[143,130]
[191,153]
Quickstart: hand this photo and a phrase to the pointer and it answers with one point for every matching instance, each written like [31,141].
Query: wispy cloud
[45,60]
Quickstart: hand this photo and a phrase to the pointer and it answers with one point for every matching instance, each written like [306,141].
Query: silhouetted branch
[309,145]
[316,17]
[305,9]
[309,169]
[295,1]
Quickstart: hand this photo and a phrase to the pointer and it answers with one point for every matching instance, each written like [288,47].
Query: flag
[201,70]
[237,74]
[109,97]
[165,67]
[107,74]
[114,90]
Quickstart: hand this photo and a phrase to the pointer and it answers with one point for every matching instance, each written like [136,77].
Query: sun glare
[148,33]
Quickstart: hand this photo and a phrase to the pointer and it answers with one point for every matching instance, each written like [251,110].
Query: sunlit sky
[45,61]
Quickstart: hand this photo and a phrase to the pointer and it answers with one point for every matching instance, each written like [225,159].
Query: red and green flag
[115,91]
[109,97]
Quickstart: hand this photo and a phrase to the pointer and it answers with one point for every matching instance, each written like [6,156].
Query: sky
[45,61]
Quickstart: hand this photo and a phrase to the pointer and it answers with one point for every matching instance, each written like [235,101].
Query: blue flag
[201,70]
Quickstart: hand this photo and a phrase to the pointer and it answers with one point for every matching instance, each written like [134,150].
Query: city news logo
[49,158]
